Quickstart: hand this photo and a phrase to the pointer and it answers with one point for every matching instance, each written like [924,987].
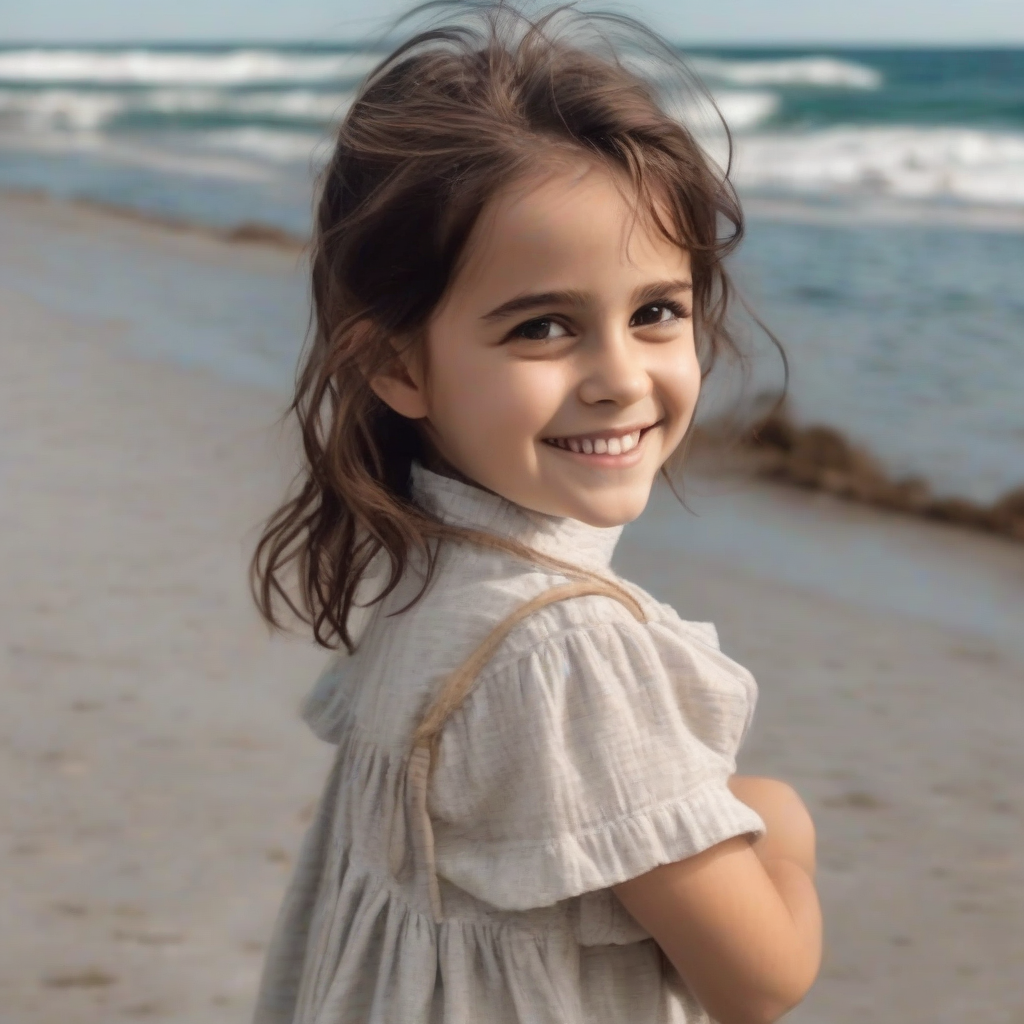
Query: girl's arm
[789,831]
[741,921]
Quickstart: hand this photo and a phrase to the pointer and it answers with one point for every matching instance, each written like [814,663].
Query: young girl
[533,816]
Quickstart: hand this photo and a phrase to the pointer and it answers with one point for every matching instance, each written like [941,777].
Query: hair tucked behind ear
[447,120]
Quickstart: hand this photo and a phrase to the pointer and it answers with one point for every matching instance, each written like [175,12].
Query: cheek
[490,399]
[680,384]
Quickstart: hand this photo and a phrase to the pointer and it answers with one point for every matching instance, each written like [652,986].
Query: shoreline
[242,233]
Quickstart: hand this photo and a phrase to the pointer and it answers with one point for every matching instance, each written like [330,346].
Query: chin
[615,512]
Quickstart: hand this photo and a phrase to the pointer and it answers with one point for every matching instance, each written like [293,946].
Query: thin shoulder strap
[454,691]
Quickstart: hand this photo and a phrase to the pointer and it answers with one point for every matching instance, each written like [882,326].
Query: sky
[946,22]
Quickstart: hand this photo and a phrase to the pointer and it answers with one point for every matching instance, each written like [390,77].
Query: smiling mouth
[602,442]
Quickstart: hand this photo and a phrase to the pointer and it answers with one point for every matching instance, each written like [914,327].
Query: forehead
[570,224]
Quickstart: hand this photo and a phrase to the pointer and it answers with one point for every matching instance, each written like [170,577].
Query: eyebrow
[572,297]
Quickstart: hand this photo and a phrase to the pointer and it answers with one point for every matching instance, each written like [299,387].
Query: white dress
[591,749]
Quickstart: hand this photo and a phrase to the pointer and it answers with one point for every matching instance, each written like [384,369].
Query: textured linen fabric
[591,749]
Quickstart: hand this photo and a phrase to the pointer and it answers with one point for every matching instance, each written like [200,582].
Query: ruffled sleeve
[600,753]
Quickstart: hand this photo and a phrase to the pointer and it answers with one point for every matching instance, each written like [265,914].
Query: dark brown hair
[447,120]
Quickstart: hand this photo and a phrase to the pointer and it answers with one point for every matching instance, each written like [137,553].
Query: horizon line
[321,43]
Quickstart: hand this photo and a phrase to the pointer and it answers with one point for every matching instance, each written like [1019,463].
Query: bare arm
[740,921]
[789,830]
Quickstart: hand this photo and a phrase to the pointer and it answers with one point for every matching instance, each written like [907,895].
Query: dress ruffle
[353,945]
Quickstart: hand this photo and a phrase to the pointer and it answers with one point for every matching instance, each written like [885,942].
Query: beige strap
[452,693]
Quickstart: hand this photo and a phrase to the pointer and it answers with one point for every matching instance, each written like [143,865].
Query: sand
[155,777]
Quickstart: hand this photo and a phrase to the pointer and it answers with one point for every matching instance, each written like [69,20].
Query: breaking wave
[155,67]
[70,109]
[821,72]
[913,163]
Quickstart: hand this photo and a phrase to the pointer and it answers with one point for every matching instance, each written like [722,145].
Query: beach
[156,777]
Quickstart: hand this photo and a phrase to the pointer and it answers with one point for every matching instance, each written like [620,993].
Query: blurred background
[156,176]
[880,150]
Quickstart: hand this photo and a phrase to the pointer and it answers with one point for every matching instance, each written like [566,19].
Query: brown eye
[657,313]
[541,329]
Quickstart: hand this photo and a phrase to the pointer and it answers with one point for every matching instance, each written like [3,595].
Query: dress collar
[469,506]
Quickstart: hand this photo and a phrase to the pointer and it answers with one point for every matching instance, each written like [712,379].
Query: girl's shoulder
[593,651]
[406,650]
[578,618]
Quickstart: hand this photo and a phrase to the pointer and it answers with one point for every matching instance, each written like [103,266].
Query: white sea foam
[745,110]
[63,109]
[291,104]
[267,145]
[69,109]
[151,67]
[823,72]
[296,104]
[958,164]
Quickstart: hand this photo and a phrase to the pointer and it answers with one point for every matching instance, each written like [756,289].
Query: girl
[532,817]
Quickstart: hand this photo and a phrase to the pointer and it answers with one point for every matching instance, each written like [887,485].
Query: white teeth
[599,446]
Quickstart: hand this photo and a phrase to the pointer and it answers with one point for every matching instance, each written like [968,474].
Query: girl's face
[560,366]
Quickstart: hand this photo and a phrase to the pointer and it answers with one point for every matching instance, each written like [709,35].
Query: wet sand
[154,774]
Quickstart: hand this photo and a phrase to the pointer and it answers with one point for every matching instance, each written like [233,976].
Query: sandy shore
[155,777]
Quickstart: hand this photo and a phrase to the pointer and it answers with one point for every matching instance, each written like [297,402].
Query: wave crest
[960,164]
[69,109]
[823,72]
[150,67]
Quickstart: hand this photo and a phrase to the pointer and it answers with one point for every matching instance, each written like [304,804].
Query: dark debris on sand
[821,458]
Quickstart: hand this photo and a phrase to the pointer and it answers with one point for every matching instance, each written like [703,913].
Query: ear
[400,385]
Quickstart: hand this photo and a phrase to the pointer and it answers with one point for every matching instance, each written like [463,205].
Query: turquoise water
[886,241]
[974,88]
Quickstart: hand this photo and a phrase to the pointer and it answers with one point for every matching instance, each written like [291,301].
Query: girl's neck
[436,463]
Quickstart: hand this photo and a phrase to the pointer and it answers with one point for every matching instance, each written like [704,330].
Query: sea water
[884,190]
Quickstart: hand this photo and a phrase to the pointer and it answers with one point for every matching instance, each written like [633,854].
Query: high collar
[471,507]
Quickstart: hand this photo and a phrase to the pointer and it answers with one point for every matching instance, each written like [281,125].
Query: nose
[616,372]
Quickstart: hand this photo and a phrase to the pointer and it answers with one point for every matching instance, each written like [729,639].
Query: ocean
[884,191]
